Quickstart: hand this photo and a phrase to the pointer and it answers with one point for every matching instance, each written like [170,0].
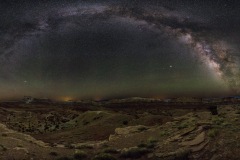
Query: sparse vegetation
[164,133]
[104,156]
[217,120]
[182,125]
[166,136]
[226,124]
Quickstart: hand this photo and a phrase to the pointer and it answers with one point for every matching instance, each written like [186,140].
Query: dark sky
[106,49]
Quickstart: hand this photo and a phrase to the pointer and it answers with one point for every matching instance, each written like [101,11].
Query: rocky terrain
[119,130]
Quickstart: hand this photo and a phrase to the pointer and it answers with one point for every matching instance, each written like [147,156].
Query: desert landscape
[120,80]
[133,128]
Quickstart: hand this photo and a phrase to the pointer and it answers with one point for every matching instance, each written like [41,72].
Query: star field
[107,49]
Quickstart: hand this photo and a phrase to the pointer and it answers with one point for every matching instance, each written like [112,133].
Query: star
[87,49]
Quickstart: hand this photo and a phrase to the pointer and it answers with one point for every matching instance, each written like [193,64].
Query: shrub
[110,150]
[4,135]
[105,145]
[85,123]
[53,153]
[142,128]
[183,125]
[70,146]
[142,145]
[182,154]
[149,145]
[134,153]
[85,146]
[152,140]
[212,133]
[80,155]
[53,144]
[104,156]
[2,148]
[125,122]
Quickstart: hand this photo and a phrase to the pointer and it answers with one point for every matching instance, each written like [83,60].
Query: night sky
[68,49]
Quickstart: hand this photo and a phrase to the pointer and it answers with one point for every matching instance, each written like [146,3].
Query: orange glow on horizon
[66,98]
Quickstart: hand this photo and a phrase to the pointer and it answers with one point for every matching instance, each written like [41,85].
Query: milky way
[215,53]
[118,49]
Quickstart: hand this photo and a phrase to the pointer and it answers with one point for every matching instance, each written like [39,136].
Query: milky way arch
[215,53]
[192,32]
